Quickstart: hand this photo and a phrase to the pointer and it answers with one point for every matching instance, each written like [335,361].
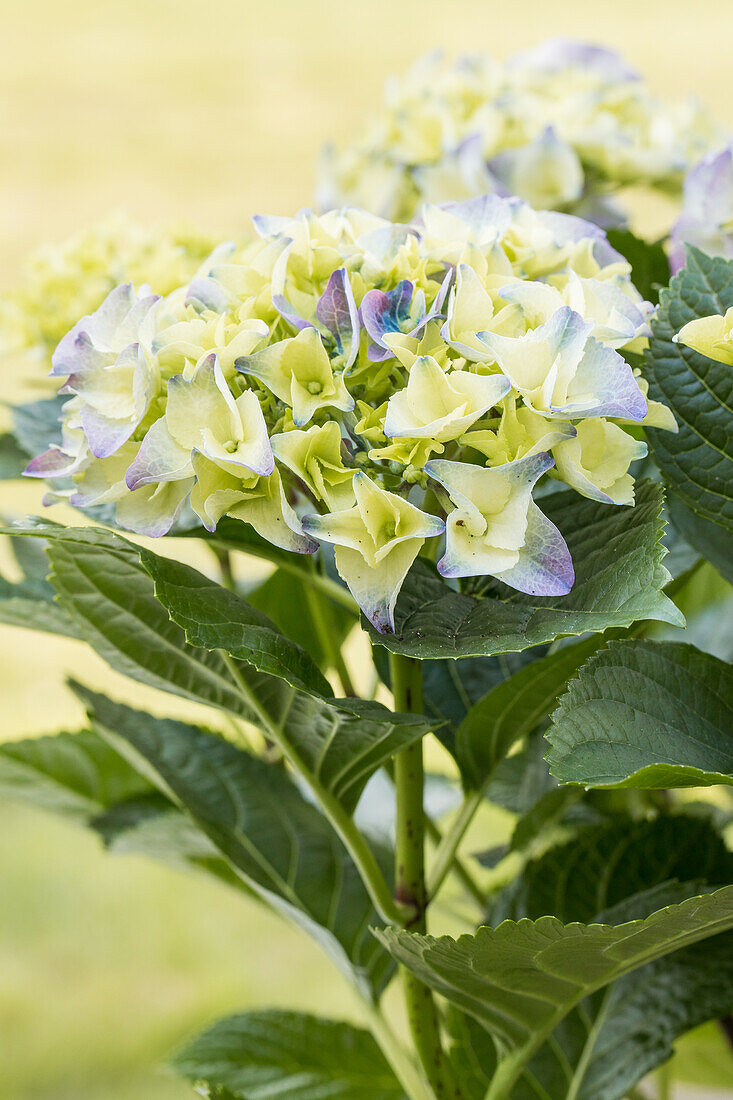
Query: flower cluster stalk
[410,887]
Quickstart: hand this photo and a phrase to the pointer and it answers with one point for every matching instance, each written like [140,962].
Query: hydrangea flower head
[563,126]
[377,387]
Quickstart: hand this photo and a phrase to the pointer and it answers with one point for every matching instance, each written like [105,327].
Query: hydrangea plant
[565,125]
[437,435]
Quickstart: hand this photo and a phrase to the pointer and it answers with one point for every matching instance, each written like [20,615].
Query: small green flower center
[231,446]
[315,388]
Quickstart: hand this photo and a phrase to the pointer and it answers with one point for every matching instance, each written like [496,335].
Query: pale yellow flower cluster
[562,126]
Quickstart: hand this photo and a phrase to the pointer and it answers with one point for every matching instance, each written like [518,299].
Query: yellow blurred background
[204,114]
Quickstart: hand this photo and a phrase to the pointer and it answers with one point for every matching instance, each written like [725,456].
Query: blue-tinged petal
[383,312]
[336,310]
[545,567]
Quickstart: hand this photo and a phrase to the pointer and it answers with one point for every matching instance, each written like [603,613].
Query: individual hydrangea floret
[706,220]
[564,125]
[711,336]
[378,387]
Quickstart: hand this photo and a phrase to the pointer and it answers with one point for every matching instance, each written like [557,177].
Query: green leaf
[13,459]
[645,714]
[697,462]
[74,774]
[215,618]
[618,580]
[277,1055]
[101,582]
[511,710]
[604,865]
[279,843]
[37,424]
[616,1037]
[340,742]
[281,598]
[522,979]
[31,602]
[649,263]
[102,585]
[150,825]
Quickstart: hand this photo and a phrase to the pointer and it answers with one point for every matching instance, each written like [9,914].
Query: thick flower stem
[410,889]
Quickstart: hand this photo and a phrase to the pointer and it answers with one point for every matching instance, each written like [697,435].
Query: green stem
[408,1073]
[410,890]
[226,573]
[343,823]
[321,616]
[446,854]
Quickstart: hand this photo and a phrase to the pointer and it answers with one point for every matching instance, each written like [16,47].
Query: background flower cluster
[562,125]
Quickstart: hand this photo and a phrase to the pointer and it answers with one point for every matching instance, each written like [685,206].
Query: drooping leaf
[74,774]
[645,714]
[279,843]
[31,602]
[288,1056]
[511,710]
[151,825]
[649,263]
[697,462]
[618,580]
[215,618]
[342,742]
[522,979]
[102,584]
[615,1037]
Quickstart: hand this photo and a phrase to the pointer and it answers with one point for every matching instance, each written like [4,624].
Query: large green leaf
[215,618]
[615,1037]
[618,580]
[30,602]
[697,462]
[645,714]
[277,1055]
[340,742]
[75,774]
[522,979]
[511,710]
[278,842]
[649,263]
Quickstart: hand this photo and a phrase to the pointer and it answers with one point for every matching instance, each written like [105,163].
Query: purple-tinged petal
[336,310]
[54,463]
[545,567]
[383,312]
[207,293]
[105,436]
[557,55]
[289,312]
[604,385]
